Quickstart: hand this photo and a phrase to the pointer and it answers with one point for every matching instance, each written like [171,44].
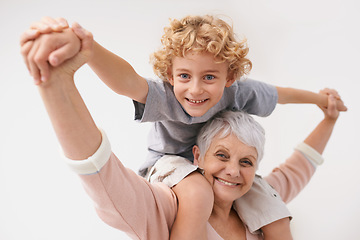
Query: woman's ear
[196,153]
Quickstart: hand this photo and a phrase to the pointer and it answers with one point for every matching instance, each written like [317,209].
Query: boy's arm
[114,71]
[292,95]
[118,74]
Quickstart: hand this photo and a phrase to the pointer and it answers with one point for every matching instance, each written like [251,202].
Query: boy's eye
[209,77]
[184,76]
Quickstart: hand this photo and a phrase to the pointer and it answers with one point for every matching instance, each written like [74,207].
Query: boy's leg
[195,200]
[278,230]
[194,193]
[262,208]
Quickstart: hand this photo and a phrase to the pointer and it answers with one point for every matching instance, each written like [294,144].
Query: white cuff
[94,163]
[310,153]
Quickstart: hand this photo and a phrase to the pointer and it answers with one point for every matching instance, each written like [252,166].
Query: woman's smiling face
[229,165]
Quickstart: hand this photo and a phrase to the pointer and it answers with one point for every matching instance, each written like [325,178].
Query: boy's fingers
[85,36]
[41,27]
[62,22]
[48,24]
[340,105]
[52,23]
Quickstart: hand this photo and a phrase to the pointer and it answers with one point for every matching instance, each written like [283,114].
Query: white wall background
[309,44]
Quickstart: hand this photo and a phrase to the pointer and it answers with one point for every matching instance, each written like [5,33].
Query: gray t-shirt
[174,131]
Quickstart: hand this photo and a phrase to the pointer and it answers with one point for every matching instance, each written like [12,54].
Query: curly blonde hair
[201,34]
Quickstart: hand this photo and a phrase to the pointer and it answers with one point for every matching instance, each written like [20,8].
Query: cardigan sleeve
[292,176]
[123,199]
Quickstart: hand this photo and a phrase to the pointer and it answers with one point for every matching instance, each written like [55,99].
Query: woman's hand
[340,106]
[331,112]
[55,49]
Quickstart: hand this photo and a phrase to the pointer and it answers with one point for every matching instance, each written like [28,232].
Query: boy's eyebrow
[187,70]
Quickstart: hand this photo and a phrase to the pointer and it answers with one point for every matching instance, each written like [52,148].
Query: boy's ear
[230,79]
[229,82]
[170,77]
[196,153]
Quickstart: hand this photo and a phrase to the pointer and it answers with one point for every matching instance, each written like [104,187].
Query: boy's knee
[195,188]
[279,229]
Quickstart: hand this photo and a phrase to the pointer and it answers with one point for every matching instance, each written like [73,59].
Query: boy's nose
[196,88]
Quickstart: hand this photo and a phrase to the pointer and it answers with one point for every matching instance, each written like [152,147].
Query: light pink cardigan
[129,203]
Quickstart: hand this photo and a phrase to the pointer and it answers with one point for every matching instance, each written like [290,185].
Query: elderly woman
[228,152]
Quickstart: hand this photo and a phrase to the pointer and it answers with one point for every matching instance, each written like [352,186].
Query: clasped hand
[63,49]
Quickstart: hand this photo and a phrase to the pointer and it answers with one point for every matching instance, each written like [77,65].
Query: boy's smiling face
[199,81]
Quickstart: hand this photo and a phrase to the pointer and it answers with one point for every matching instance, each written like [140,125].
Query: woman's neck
[221,210]
[226,222]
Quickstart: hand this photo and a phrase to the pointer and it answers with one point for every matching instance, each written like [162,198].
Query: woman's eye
[184,76]
[209,77]
[246,162]
[222,156]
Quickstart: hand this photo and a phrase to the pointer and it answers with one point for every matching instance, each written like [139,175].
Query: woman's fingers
[28,35]
[25,49]
[34,70]
[332,111]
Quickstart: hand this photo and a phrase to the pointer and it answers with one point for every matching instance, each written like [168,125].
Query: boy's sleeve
[292,176]
[123,199]
[254,97]
[161,104]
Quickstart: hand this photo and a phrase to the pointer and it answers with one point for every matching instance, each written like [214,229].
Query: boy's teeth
[196,101]
[226,183]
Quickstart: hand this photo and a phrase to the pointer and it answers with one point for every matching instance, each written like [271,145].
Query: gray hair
[245,128]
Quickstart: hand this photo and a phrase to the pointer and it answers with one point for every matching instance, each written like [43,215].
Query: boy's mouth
[196,101]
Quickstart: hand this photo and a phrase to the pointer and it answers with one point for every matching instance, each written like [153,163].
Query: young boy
[199,64]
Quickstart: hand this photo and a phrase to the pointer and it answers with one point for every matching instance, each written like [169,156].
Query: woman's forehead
[232,143]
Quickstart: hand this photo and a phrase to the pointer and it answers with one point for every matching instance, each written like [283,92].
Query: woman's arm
[122,199]
[293,175]
[71,120]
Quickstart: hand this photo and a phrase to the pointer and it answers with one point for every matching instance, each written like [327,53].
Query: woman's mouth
[226,182]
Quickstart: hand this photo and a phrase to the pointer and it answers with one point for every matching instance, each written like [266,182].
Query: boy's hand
[340,106]
[55,48]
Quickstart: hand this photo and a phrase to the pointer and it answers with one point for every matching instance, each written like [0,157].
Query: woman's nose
[233,169]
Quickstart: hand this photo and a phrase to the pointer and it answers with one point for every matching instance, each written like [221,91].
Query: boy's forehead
[198,58]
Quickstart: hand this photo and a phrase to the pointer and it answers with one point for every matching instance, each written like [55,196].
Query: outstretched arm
[292,95]
[145,211]
[71,120]
[320,136]
[114,71]
[293,175]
